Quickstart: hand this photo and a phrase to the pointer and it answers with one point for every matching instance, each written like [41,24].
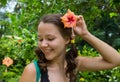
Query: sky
[9,6]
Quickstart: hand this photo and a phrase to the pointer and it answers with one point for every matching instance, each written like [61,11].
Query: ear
[67,41]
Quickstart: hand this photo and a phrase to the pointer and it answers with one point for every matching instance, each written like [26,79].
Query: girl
[55,63]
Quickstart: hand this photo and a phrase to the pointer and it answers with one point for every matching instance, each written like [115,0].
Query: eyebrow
[47,35]
[39,36]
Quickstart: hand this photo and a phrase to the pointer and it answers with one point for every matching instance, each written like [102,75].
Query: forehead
[47,28]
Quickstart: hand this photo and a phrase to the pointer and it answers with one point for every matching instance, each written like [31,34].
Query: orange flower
[69,19]
[7,61]
[20,40]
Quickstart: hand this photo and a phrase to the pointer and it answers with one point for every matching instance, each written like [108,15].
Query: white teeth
[46,50]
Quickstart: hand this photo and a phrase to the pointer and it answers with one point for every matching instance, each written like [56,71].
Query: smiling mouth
[47,51]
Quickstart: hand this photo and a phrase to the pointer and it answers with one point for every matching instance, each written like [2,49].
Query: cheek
[59,42]
[53,44]
[39,44]
[59,45]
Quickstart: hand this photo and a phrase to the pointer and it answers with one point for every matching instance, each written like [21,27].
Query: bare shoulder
[29,73]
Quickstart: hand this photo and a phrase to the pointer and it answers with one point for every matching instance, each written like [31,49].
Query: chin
[49,58]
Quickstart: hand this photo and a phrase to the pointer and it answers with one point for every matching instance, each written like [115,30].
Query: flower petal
[7,61]
[69,19]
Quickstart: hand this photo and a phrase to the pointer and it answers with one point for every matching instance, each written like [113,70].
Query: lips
[46,51]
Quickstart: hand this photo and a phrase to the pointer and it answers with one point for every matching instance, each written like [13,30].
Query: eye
[40,39]
[51,39]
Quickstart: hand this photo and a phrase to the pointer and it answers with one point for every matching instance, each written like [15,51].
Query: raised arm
[109,56]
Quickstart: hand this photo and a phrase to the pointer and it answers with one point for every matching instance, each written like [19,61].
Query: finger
[80,17]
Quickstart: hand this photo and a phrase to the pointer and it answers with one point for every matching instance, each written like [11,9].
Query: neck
[59,63]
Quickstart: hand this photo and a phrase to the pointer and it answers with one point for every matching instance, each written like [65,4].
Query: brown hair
[70,55]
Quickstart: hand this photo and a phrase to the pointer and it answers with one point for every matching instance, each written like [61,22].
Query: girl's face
[51,42]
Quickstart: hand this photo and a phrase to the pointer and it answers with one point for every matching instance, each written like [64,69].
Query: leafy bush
[110,75]
[21,50]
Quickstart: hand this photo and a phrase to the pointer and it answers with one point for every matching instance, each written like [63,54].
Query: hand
[81,28]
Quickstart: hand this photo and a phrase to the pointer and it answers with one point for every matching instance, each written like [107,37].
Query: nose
[44,43]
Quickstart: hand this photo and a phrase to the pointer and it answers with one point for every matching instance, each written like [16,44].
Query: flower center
[70,19]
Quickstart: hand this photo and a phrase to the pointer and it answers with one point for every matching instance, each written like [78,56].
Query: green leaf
[3,2]
[113,14]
